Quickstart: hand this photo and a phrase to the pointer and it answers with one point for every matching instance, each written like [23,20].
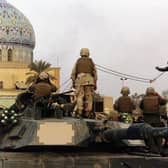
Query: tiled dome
[15,28]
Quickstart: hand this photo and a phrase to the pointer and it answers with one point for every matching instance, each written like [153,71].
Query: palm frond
[31,79]
[31,73]
[36,68]
[39,66]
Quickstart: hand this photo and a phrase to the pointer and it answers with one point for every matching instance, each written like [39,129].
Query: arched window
[10,55]
[0,55]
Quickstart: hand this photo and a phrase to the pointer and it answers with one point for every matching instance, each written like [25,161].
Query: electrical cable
[158,76]
[127,76]
[132,76]
[138,80]
[118,74]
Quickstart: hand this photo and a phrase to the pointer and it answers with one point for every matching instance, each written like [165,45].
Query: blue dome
[15,28]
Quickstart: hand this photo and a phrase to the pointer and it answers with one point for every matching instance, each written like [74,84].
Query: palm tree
[35,69]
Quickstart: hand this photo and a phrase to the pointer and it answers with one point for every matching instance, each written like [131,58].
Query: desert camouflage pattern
[84,79]
[84,52]
[87,92]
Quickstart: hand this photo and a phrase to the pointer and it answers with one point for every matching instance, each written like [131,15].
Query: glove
[157,94]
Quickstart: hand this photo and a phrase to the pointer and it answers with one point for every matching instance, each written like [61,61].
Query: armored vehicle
[47,134]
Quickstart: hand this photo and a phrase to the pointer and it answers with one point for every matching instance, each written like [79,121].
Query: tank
[44,134]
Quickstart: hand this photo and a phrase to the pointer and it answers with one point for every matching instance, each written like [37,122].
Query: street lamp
[123,80]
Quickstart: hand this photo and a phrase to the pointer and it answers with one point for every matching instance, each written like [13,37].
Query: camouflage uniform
[41,90]
[84,77]
[125,105]
[150,105]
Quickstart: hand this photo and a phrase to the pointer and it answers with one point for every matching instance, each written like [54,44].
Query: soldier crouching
[41,90]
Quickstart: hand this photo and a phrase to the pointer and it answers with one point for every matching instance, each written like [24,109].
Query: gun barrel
[135,131]
[132,132]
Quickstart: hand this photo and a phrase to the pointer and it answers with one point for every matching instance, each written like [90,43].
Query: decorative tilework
[15,28]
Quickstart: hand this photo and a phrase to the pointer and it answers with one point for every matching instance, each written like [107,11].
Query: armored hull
[79,160]
[72,143]
[66,132]
[76,143]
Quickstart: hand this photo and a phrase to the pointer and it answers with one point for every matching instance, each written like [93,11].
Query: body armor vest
[125,104]
[151,104]
[42,89]
[84,65]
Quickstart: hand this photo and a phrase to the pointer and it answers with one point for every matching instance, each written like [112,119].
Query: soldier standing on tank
[41,90]
[84,77]
[125,105]
[164,69]
[150,105]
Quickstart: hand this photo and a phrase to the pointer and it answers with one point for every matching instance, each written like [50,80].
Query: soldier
[42,86]
[41,90]
[125,105]
[150,105]
[84,77]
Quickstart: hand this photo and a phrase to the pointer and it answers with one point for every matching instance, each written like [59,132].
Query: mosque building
[17,42]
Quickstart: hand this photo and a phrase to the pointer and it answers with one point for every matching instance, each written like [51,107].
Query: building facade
[17,42]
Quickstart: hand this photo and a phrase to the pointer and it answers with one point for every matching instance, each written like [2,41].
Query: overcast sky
[129,36]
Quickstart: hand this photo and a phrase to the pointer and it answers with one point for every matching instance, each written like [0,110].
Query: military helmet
[150,90]
[43,75]
[84,52]
[125,90]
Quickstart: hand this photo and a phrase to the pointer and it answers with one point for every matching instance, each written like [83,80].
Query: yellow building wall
[10,74]
[108,104]
[56,73]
